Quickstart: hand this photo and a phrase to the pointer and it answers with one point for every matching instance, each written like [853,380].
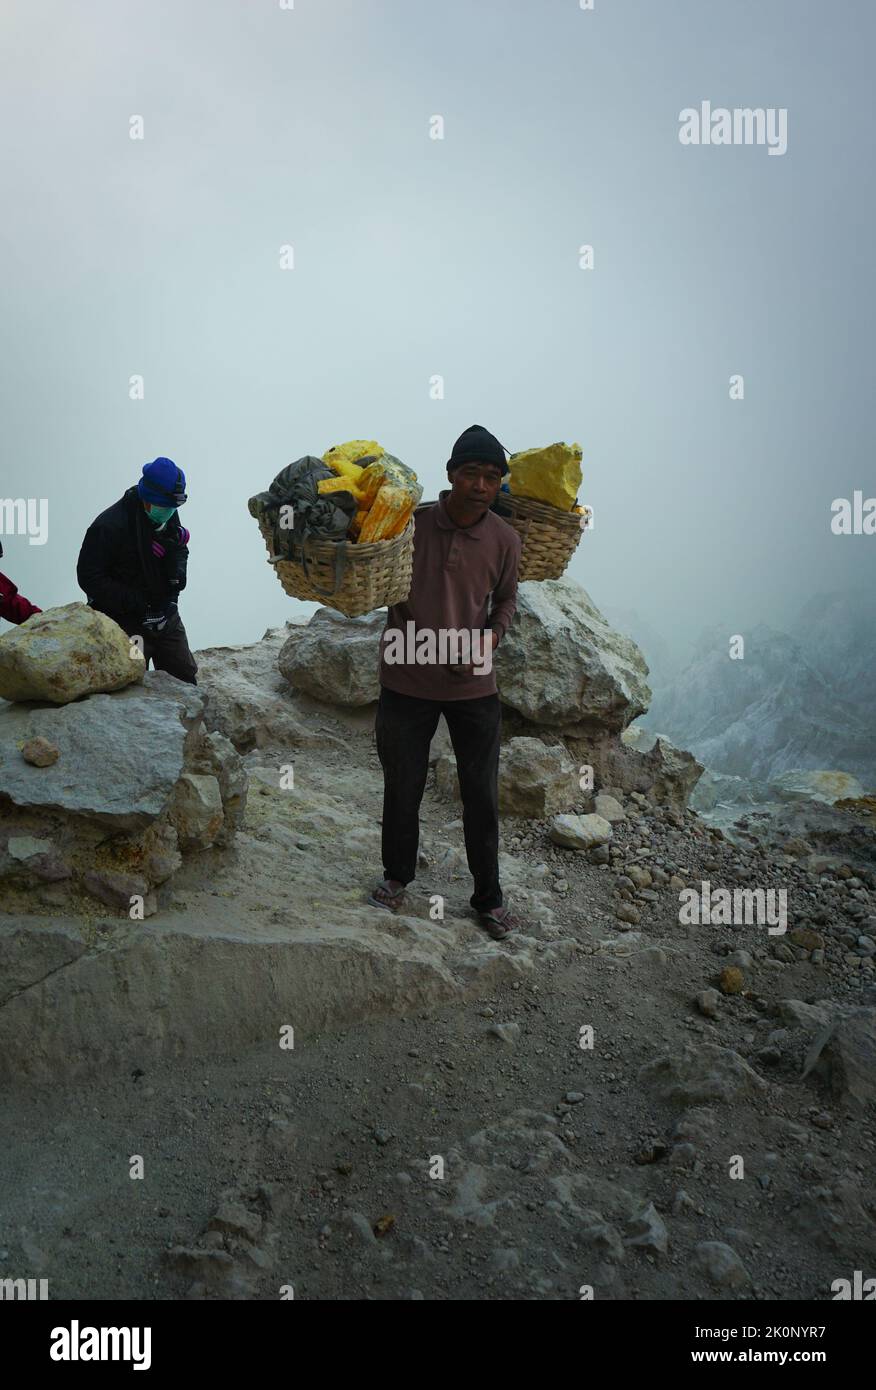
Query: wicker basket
[550,536]
[353,579]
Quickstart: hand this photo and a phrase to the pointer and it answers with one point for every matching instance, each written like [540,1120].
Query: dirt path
[492,1154]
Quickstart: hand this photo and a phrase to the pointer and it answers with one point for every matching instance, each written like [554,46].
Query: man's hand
[468,668]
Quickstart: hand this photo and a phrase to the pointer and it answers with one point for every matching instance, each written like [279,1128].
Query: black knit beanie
[477,445]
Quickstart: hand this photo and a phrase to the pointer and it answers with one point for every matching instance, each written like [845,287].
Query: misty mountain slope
[764,714]
[837,634]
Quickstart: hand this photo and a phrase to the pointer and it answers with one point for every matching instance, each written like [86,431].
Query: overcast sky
[458,258]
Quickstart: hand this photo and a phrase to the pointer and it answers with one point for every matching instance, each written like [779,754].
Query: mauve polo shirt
[464,577]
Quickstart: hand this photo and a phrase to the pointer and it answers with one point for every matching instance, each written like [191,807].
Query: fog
[454,258]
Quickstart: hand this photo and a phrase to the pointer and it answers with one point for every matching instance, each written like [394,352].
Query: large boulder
[119,755]
[560,664]
[335,658]
[137,781]
[64,653]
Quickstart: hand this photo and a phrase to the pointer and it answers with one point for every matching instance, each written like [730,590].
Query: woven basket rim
[544,511]
[365,551]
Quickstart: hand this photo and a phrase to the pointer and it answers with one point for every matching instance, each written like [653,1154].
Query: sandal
[388,894]
[499,922]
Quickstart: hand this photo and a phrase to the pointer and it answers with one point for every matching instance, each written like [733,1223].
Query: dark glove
[156,619]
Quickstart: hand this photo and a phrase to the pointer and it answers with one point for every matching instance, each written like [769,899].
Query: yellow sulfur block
[343,458]
[388,470]
[340,484]
[372,479]
[551,475]
[388,514]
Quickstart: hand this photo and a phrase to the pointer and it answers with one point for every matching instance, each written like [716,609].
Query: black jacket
[117,568]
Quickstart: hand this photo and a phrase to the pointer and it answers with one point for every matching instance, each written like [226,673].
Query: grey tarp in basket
[313,516]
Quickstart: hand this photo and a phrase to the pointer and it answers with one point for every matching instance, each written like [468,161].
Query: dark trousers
[169,650]
[404,727]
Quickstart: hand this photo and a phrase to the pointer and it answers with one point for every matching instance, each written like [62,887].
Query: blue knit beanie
[162,483]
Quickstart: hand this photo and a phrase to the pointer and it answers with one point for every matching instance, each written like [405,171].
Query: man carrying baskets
[463,596]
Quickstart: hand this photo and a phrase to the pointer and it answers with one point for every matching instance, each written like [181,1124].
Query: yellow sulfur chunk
[388,515]
[356,524]
[339,484]
[343,458]
[387,470]
[551,475]
[371,480]
[343,469]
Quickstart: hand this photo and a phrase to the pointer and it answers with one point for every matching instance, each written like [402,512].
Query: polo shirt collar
[445,520]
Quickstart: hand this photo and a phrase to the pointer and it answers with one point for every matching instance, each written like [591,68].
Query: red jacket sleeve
[13,606]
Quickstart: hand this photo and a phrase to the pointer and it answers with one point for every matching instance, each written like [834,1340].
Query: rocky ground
[437,1130]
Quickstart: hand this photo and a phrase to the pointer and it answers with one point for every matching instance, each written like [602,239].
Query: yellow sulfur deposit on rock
[551,475]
